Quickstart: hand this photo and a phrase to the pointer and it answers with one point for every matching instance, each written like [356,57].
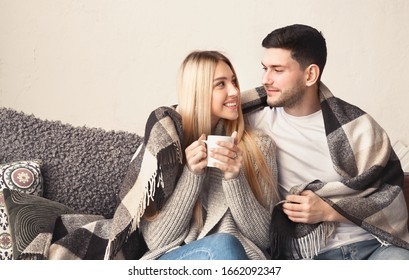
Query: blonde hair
[195,87]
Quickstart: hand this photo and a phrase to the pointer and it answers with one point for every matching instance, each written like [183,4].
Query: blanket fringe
[309,246]
[167,163]
[149,190]
[107,255]
[305,247]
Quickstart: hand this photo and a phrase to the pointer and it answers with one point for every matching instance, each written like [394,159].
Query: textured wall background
[108,63]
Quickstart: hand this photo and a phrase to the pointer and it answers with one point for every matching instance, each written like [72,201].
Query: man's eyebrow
[273,65]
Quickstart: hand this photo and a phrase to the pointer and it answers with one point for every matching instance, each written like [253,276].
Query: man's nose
[267,79]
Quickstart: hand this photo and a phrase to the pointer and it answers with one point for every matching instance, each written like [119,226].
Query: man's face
[283,78]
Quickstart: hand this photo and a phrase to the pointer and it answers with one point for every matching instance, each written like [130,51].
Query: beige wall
[108,63]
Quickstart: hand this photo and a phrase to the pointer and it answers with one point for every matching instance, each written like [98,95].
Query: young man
[340,178]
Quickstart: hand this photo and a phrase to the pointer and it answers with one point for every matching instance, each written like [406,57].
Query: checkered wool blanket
[152,175]
[370,193]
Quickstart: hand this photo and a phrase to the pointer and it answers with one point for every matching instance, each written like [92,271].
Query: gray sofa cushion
[83,167]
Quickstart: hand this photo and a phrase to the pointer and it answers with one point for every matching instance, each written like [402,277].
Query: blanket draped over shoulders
[152,175]
[370,193]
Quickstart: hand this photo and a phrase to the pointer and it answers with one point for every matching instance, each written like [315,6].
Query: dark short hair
[307,44]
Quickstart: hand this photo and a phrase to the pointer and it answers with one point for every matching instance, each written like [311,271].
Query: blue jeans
[219,246]
[365,250]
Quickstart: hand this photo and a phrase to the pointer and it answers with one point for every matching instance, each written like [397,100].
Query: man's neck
[309,104]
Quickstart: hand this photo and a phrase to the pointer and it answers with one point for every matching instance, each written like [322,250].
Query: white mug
[211,143]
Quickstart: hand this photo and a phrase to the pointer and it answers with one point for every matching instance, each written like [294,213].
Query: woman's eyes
[223,84]
[220,85]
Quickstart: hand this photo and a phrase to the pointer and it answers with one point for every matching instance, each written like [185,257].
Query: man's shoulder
[260,115]
[262,111]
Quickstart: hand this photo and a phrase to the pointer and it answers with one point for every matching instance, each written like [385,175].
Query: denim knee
[390,252]
[219,246]
[227,247]
[224,238]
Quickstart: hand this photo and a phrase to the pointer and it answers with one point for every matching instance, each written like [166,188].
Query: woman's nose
[233,91]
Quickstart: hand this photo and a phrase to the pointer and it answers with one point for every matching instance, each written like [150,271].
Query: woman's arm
[251,217]
[173,220]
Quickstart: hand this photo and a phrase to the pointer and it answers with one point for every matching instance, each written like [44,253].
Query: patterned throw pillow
[22,176]
[31,216]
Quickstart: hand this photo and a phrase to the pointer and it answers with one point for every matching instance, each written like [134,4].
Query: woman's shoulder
[262,138]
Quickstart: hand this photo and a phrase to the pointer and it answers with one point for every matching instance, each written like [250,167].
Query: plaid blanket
[370,193]
[152,175]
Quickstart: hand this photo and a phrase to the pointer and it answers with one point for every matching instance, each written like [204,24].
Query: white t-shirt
[303,156]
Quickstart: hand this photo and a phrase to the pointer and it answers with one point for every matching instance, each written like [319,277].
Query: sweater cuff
[236,186]
[191,183]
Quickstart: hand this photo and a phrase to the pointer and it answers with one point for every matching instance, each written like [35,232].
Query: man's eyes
[275,69]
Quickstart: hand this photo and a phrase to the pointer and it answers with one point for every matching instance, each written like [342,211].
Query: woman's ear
[312,74]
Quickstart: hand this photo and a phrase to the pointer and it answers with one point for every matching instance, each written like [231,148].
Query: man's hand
[309,208]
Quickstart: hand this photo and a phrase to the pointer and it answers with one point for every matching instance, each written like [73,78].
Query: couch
[406,191]
[80,167]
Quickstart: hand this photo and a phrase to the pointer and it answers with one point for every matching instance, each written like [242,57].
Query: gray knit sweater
[230,207]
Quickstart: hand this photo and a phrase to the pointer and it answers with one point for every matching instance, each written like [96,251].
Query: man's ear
[312,74]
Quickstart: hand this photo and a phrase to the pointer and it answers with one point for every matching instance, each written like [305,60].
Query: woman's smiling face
[226,95]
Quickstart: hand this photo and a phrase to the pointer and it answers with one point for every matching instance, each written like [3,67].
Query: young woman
[220,212]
